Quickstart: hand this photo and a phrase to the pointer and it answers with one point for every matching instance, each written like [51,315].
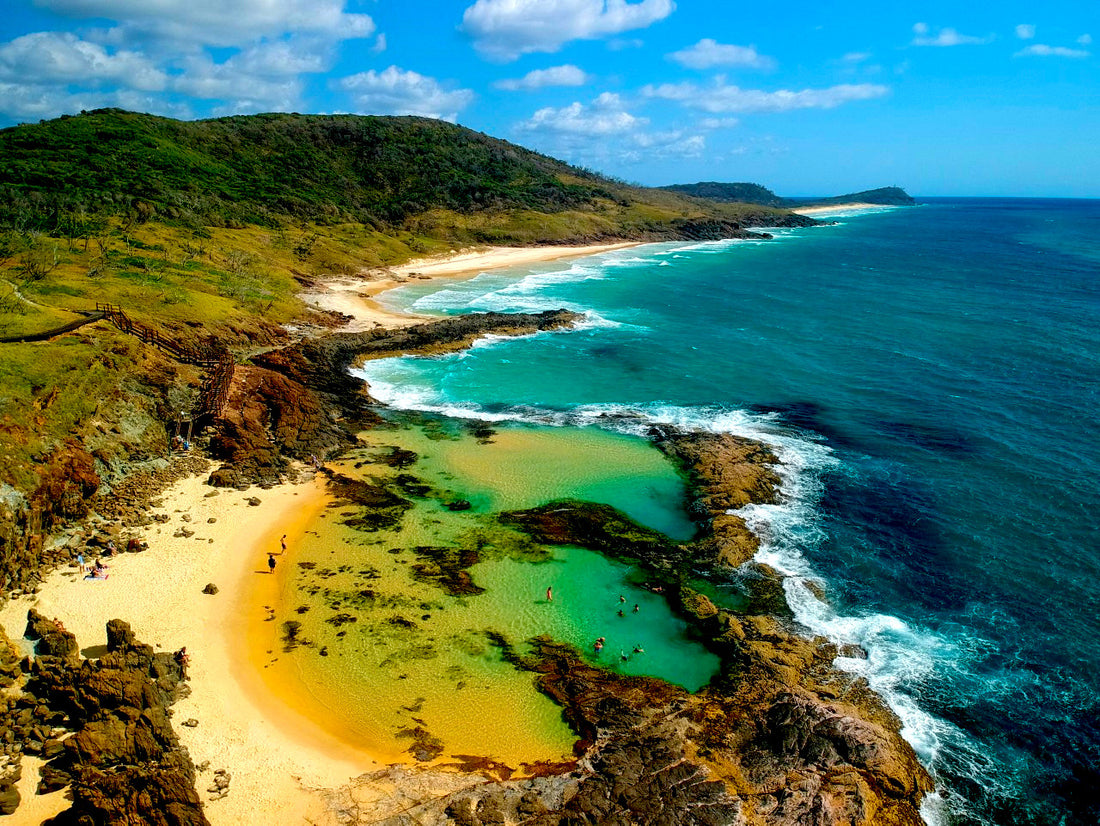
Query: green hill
[262,169]
[745,193]
[756,194]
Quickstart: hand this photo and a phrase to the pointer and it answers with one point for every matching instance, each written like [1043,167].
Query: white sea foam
[900,659]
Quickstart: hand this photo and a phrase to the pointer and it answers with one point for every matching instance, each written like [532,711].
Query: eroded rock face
[287,404]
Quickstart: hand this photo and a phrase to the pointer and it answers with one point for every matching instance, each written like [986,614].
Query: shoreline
[283,763]
[825,210]
[357,296]
[275,755]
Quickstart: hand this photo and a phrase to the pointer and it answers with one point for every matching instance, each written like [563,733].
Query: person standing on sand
[271,563]
[80,562]
[549,593]
[282,543]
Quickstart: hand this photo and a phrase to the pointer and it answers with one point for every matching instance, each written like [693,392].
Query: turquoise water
[387,641]
[930,378]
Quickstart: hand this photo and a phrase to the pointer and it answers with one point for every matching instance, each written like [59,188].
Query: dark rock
[425,747]
[459,505]
[53,639]
[120,636]
[9,800]
[210,588]
[124,761]
[447,569]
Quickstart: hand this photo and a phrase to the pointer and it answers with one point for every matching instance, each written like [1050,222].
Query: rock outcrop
[122,761]
[302,401]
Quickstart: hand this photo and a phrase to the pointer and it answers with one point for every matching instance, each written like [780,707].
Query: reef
[779,736]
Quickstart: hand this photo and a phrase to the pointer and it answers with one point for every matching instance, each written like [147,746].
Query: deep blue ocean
[930,377]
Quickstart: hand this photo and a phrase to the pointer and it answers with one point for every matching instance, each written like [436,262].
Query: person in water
[597,646]
[549,593]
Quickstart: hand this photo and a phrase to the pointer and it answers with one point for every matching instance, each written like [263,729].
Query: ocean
[929,376]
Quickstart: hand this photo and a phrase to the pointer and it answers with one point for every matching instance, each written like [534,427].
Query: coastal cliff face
[301,401]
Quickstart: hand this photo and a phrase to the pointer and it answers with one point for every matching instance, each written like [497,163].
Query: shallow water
[383,652]
[931,379]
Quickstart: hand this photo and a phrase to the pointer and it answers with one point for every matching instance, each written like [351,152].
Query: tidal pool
[395,638]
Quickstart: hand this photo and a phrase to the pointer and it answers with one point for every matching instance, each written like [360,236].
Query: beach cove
[262,723]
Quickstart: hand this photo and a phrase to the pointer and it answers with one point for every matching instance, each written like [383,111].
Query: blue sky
[808,98]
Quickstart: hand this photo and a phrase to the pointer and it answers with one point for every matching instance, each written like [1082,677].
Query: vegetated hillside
[757,194]
[884,195]
[745,193]
[261,169]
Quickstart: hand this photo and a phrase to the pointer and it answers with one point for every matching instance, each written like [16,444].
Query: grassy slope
[203,228]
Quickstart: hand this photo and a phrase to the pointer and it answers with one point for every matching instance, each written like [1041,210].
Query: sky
[806,98]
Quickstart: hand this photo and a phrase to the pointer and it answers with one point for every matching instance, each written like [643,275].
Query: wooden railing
[217,361]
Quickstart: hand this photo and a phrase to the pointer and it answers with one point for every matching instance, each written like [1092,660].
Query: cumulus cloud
[720,98]
[255,81]
[946,37]
[1042,50]
[505,29]
[28,102]
[44,58]
[603,132]
[604,116]
[396,91]
[1025,31]
[567,75]
[217,22]
[1085,39]
[708,53]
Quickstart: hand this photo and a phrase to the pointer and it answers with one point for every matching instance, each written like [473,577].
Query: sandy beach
[835,209]
[278,758]
[355,296]
[273,755]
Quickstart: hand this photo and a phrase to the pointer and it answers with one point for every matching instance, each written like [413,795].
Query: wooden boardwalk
[216,361]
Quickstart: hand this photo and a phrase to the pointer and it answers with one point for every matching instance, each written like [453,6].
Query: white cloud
[567,75]
[28,102]
[708,53]
[1042,50]
[604,116]
[44,58]
[718,123]
[720,98]
[642,146]
[218,22]
[396,91]
[604,132]
[1025,31]
[946,37]
[379,44]
[506,29]
[249,82]
[1085,39]
[856,57]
